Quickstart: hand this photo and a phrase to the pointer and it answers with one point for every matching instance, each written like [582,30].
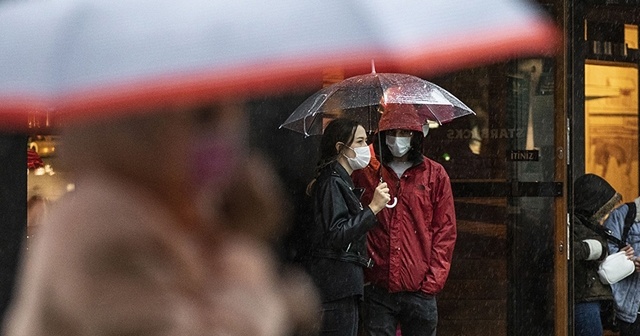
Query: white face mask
[363,156]
[398,146]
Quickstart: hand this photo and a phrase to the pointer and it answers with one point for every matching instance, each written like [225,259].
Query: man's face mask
[399,145]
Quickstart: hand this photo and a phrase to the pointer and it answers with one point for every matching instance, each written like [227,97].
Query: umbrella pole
[379,156]
[395,199]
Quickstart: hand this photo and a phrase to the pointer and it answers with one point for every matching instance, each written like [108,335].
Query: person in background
[413,245]
[166,234]
[337,253]
[593,200]
[37,207]
[626,292]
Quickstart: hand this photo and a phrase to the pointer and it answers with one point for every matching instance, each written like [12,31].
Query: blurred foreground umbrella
[359,98]
[89,58]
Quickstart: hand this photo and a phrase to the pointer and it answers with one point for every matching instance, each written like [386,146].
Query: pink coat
[110,260]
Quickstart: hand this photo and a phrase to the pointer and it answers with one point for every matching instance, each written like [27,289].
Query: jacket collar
[418,161]
[338,170]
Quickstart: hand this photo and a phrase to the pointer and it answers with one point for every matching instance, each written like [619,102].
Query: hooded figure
[594,199]
[413,245]
[399,117]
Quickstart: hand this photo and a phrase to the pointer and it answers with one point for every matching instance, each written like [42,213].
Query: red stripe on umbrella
[132,57]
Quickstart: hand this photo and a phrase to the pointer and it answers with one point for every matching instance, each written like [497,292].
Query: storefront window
[47,178]
[501,163]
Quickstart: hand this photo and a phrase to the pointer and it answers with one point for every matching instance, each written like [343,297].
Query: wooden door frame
[563,88]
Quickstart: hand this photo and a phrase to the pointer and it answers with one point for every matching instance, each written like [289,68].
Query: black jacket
[587,285]
[337,249]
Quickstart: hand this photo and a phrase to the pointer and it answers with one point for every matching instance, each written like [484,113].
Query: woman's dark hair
[380,147]
[338,130]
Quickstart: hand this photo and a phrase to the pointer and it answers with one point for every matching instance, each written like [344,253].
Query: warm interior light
[48,170]
[631,36]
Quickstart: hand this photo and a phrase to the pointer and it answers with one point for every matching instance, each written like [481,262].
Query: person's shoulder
[328,172]
[622,209]
[428,161]
[434,166]
[366,172]
[329,177]
[617,216]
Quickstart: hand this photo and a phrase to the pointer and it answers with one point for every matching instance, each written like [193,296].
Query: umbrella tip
[373,66]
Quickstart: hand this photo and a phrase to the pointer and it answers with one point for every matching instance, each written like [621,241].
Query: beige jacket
[109,260]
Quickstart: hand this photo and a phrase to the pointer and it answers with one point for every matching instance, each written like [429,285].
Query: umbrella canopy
[89,58]
[360,98]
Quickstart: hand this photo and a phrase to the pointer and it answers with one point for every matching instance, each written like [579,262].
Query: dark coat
[587,284]
[594,199]
[337,238]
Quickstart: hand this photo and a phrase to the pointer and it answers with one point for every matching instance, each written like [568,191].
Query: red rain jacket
[413,244]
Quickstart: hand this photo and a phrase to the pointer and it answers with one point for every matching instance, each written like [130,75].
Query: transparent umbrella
[360,97]
[364,98]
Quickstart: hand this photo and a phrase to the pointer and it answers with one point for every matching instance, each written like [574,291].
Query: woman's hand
[628,251]
[380,198]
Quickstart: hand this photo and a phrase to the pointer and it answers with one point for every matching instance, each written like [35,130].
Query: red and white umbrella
[89,58]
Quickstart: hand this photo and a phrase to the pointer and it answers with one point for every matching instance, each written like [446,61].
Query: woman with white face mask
[336,252]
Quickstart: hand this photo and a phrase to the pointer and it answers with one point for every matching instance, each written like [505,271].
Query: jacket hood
[594,197]
[399,116]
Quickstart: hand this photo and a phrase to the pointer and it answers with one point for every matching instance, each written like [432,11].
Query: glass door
[506,165]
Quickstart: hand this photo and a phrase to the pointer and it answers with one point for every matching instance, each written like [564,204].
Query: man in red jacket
[413,244]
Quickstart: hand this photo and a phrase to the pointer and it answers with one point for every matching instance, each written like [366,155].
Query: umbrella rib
[317,103]
[435,116]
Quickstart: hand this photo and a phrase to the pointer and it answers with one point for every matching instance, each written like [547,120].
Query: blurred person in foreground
[166,234]
[337,252]
[413,245]
[626,292]
[593,200]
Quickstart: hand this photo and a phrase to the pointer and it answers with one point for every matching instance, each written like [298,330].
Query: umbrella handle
[395,202]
